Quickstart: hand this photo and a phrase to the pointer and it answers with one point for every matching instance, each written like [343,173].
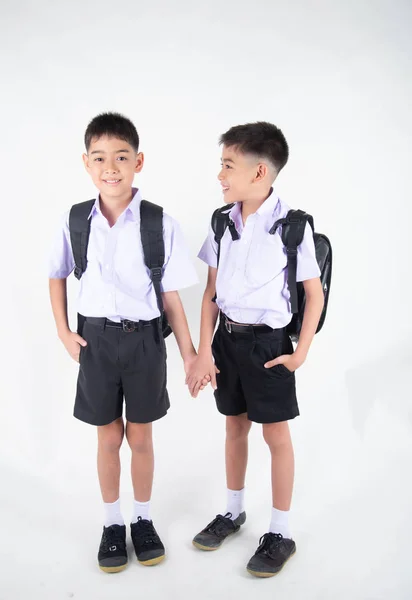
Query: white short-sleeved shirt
[251,284]
[116,283]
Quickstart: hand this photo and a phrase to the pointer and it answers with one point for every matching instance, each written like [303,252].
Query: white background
[336,77]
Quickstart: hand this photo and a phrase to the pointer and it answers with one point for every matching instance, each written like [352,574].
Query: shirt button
[107,266]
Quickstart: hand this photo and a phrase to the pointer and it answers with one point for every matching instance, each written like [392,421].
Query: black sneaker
[214,534]
[273,551]
[147,544]
[112,555]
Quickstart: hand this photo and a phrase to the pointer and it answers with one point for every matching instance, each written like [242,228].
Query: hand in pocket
[290,361]
[72,342]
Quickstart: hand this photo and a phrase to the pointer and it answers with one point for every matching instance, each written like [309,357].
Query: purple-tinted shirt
[116,283]
[251,284]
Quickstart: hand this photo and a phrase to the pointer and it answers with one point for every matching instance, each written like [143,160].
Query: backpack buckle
[228,326]
[78,272]
[233,230]
[156,273]
[291,251]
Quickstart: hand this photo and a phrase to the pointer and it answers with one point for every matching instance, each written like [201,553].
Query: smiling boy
[120,347]
[251,362]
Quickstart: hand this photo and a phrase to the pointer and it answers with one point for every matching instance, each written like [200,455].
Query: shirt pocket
[266,260]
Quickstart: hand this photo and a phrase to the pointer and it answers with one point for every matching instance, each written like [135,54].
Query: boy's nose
[220,175]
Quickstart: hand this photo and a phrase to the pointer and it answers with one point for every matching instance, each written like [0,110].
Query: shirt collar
[234,212]
[133,209]
[267,208]
[269,205]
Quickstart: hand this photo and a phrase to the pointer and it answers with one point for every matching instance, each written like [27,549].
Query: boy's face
[241,175]
[112,164]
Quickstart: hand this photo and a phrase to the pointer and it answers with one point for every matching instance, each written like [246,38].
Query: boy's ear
[139,162]
[86,162]
[261,171]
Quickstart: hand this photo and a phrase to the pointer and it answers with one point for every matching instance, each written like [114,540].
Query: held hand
[290,361]
[189,366]
[72,342]
[202,371]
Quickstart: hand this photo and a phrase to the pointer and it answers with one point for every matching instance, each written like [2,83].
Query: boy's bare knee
[139,436]
[111,436]
[237,427]
[276,434]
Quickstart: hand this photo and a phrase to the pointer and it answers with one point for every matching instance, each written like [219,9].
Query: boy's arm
[58,297]
[313,310]
[61,264]
[175,313]
[204,365]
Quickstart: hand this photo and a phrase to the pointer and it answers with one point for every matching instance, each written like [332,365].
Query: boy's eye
[98,159]
[121,158]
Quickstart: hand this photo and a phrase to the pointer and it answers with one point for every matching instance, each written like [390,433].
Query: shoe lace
[147,533]
[268,542]
[220,525]
[112,537]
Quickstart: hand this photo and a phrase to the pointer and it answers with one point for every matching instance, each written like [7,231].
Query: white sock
[141,509]
[235,499]
[113,516]
[280,522]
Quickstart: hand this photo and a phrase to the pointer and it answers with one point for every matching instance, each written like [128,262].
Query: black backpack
[151,232]
[293,229]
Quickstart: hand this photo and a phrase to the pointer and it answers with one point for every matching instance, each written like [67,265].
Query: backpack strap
[220,222]
[293,230]
[79,226]
[151,232]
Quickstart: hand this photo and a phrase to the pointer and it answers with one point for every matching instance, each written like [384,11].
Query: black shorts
[117,364]
[244,385]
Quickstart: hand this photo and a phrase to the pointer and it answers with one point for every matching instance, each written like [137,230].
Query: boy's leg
[276,546]
[237,432]
[112,554]
[139,437]
[277,437]
[99,402]
[230,402]
[148,546]
[236,450]
[110,438]
[143,377]
[271,399]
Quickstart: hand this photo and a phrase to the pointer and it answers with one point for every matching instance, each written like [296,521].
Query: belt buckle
[228,326]
[128,326]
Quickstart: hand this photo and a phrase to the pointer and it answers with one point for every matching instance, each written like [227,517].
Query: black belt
[125,324]
[243,328]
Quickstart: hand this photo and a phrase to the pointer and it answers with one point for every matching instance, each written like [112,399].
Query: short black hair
[261,139]
[112,124]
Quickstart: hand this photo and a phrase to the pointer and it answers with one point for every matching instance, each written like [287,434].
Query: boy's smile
[112,164]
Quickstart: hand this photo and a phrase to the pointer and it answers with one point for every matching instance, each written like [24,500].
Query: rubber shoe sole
[266,574]
[211,548]
[152,561]
[113,568]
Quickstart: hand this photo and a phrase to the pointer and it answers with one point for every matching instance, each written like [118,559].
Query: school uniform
[251,289]
[125,356]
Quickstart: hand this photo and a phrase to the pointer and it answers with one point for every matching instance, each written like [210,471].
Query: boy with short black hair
[251,363]
[119,343]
